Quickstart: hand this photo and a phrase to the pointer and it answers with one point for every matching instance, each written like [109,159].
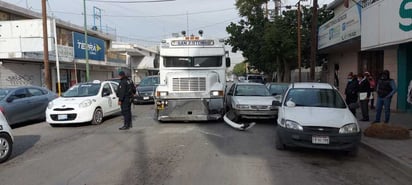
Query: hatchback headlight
[349,129]
[85,103]
[241,107]
[291,125]
[50,105]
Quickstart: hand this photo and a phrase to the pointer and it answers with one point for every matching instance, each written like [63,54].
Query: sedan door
[107,101]
[229,96]
[116,107]
[39,101]
[18,107]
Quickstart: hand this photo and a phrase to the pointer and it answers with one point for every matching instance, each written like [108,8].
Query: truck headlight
[217,93]
[242,107]
[349,129]
[291,125]
[85,103]
[161,93]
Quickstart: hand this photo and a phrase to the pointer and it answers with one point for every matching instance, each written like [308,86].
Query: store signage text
[405,13]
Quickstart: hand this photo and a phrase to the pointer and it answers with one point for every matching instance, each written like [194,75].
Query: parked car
[145,90]
[255,79]
[277,88]
[84,102]
[314,115]
[6,139]
[114,80]
[24,103]
[250,101]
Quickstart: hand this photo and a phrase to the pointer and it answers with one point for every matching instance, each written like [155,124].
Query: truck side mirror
[228,62]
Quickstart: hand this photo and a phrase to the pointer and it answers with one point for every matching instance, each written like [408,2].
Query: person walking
[385,88]
[364,95]
[125,92]
[351,92]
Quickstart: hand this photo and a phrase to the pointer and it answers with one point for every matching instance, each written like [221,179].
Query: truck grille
[189,84]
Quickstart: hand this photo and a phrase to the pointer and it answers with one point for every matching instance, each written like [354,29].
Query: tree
[272,45]
[240,69]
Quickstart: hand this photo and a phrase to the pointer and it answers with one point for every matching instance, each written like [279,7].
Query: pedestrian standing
[364,95]
[385,88]
[351,92]
[372,83]
[125,92]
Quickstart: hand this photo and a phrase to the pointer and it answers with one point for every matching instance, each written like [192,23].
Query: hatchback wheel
[6,147]
[97,116]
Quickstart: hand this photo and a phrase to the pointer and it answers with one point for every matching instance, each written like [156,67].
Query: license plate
[146,98]
[62,117]
[320,140]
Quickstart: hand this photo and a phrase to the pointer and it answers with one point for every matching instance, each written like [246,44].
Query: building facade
[21,51]
[369,35]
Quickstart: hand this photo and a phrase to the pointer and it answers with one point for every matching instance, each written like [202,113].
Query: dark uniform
[125,93]
[351,92]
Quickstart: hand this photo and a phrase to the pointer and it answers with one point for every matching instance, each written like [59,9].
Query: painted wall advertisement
[386,22]
[96,47]
[341,28]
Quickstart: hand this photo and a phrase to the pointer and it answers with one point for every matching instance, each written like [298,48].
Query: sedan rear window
[251,90]
[315,98]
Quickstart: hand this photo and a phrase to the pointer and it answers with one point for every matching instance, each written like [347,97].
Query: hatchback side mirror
[106,93]
[10,99]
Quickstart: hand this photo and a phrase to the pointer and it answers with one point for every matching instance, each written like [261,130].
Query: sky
[149,23]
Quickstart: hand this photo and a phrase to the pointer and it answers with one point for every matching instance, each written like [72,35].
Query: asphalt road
[178,153]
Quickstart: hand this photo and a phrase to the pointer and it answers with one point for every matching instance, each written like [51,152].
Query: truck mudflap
[189,109]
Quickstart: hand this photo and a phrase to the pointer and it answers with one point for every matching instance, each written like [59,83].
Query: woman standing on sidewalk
[386,89]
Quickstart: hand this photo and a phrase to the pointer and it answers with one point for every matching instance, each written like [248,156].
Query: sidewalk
[398,152]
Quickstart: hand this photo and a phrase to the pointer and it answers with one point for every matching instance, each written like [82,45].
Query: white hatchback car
[314,115]
[84,102]
[6,139]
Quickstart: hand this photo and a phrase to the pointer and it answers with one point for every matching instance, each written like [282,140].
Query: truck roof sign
[193,42]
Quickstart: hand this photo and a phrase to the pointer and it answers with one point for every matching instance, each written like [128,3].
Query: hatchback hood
[70,101]
[312,116]
[253,100]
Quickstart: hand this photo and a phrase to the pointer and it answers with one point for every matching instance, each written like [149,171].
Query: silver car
[25,103]
[250,101]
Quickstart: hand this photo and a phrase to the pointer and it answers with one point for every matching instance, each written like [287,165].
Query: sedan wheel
[97,117]
[5,147]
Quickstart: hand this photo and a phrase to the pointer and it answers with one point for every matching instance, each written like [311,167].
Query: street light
[86,50]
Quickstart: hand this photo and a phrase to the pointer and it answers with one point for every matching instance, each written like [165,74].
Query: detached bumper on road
[337,141]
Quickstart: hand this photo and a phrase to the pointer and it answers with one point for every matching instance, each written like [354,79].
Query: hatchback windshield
[316,98]
[82,90]
[251,90]
[150,81]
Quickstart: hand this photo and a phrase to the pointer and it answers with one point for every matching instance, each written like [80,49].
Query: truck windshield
[210,61]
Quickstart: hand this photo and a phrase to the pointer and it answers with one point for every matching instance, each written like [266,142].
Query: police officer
[125,92]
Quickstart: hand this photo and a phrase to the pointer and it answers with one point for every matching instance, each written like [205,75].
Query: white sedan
[84,102]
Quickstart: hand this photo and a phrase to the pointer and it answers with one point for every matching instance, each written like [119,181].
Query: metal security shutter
[13,74]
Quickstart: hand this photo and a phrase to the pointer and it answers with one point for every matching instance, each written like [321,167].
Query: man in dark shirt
[125,93]
[385,89]
[364,95]
[351,92]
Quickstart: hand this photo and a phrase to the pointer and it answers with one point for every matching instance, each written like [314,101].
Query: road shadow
[23,143]
[26,123]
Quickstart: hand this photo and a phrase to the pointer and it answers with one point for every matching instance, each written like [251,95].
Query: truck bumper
[189,109]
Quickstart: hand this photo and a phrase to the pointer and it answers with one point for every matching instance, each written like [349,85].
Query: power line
[149,16]
[147,1]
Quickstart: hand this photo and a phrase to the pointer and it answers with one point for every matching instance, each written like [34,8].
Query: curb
[405,168]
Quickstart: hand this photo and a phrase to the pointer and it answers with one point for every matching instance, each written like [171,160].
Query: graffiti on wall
[20,79]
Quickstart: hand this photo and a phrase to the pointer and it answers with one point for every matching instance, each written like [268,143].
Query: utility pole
[86,50]
[299,41]
[45,47]
[314,40]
